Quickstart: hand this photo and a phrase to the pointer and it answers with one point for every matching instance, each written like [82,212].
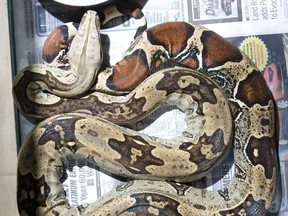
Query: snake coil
[222,93]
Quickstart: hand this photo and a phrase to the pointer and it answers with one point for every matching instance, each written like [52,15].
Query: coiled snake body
[223,95]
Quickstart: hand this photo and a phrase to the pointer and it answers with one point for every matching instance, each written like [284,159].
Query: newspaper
[258,27]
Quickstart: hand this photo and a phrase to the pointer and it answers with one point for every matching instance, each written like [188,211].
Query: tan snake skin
[223,95]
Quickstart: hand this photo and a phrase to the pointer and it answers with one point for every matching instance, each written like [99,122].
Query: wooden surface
[8,155]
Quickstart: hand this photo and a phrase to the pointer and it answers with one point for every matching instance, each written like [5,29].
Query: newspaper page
[258,27]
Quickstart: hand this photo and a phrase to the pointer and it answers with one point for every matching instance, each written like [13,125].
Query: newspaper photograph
[257,27]
[214,11]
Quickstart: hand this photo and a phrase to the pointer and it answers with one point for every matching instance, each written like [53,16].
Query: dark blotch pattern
[217,140]
[224,193]
[264,146]
[180,188]
[204,88]
[53,133]
[254,90]
[125,149]
[250,206]
[144,201]
[32,193]
[67,105]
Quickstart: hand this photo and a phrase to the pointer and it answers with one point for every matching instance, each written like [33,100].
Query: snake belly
[225,100]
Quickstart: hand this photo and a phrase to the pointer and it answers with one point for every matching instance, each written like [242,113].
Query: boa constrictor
[223,95]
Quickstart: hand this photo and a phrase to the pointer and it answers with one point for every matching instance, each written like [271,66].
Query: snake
[225,99]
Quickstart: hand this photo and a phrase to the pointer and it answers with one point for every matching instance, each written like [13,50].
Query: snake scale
[223,95]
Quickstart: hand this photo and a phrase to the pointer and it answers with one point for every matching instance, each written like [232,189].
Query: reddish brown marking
[217,50]
[156,63]
[190,62]
[54,42]
[133,69]
[254,90]
[172,36]
[130,72]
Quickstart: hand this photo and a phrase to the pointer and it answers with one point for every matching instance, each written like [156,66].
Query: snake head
[86,51]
